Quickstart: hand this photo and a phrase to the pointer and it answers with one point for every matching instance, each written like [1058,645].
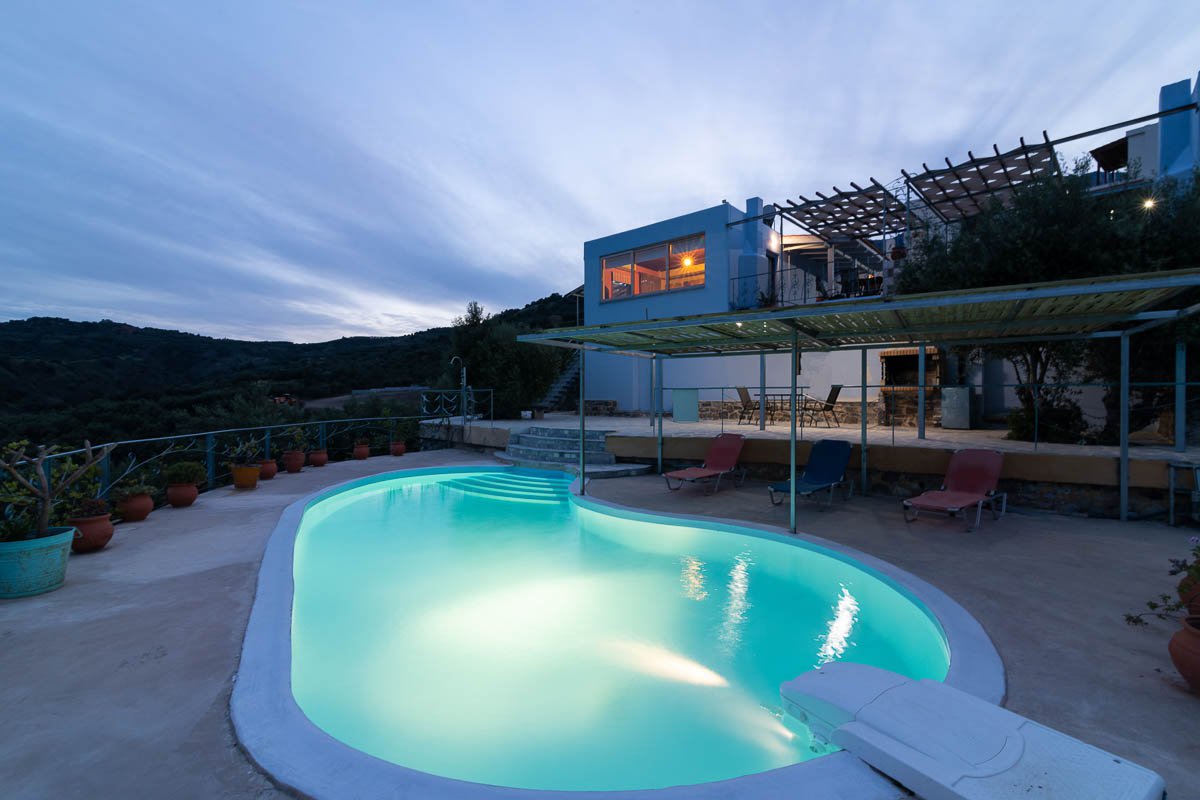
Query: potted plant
[362,449]
[183,482]
[33,555]
[293,456]
[318,457]
[397,448]
[268,467]
[245,464]
[135,501]
[1184,647]
[92,523]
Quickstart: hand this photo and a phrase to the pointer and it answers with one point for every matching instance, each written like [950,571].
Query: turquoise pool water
[481,626]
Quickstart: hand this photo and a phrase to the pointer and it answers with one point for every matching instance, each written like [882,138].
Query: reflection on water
[845,614]
[659,662]
[737,605]
[692,578]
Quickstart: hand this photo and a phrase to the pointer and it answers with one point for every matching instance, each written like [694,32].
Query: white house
[845,245]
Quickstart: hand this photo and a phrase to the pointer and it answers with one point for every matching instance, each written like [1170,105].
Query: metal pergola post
[762,391]
[921,390]
[1123,466]
[658,367]
[792,437]
[862,457]
[1181,396]
[582,423]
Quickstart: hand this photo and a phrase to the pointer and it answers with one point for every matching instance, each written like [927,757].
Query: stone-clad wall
[879,412]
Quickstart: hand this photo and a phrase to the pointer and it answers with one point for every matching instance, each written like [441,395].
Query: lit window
[618,282]
[687,262]
[650,270]
[650,266]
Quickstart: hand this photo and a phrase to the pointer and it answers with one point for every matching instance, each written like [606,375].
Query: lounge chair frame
[849,484]
[715,481]
[812,408]
[749,409]
[989,498]
[727,459]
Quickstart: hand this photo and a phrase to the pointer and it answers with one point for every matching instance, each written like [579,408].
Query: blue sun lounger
[826,469]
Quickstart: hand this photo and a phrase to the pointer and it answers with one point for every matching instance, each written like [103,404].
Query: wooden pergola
[1111,307]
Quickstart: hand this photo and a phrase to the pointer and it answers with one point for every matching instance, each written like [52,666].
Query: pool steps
[514,486]
[558,448]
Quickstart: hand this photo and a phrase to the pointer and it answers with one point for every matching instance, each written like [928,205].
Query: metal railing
[1075,413]
[143,460]
[795,286]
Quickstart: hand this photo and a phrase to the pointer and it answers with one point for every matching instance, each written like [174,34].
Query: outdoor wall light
[1148,203]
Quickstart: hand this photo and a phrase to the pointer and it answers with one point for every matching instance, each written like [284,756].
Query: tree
[519,374]
[1056,229]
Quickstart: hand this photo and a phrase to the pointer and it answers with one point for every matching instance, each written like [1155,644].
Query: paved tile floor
[118,684]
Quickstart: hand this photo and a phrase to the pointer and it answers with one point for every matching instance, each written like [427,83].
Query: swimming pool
[484,626]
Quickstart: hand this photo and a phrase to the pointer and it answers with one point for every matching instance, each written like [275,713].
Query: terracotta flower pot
[397,448]
[362,451]
[268,469]
[182,495]
[293,460]
[1184,648]
[1189,594]
[135,508]
[245,476]
[91,533]
[318,458]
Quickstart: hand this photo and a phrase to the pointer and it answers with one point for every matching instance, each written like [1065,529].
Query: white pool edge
[284,743]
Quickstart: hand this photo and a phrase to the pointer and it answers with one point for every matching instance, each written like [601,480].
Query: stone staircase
[564,385]
[558,448]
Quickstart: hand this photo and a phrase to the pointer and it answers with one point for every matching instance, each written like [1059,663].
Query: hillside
[61,380]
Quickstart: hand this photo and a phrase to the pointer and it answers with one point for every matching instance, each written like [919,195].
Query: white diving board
[945,744]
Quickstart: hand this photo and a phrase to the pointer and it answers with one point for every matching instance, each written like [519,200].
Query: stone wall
[849,412]
[600,408]
[1079,484]
[902,403]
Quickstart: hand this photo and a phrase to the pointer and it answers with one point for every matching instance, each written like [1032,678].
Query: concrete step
[485,490]
[556,442]
[593,471]
[485,486]
[544,454]
[527,482]
[564,433]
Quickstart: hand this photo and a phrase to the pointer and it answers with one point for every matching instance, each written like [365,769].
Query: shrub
[187,472]
[127,490]
[91,507]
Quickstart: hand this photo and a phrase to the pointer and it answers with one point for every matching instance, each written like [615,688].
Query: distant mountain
[60,378]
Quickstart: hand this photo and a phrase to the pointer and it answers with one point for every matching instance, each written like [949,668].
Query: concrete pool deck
[119,683]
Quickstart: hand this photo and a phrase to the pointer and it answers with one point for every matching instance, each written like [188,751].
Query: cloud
[307,171]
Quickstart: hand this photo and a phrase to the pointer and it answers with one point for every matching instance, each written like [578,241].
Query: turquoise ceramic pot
[35,566]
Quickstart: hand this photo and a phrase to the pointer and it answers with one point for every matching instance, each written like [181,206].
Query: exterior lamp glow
[1148,203]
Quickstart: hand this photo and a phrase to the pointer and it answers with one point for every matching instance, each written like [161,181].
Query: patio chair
[721,460]
[826,409]
[826,469]
[749,409]
[971,481]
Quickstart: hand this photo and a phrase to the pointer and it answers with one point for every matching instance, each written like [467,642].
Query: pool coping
[277,736]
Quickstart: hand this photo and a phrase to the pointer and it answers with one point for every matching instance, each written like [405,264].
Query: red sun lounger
[971,481]
[721,460]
